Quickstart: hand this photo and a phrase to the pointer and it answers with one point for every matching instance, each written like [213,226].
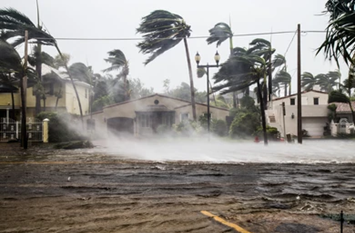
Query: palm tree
[218,34]
[308,81]
[240,71]
[162,31]
[10,63]
[329,81]
[325,81]
[262,48]
[340,32]
[283,78]
[119,62]
[13,25]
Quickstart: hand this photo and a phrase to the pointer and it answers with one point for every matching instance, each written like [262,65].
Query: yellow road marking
[224,222]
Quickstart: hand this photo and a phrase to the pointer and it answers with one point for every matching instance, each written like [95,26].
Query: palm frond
[161,31]
[219,33]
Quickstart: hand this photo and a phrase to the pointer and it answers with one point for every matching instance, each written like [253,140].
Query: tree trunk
[234,100]
[74,86]
[56,103]
[231,51]
[191,80]
[263,119]
[352,111]
[44,104]
[39,72]
[265,94]
[13,106]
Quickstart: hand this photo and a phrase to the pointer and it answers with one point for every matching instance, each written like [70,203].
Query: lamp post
[198,59]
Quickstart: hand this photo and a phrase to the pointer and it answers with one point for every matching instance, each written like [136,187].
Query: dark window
[292,101]
[316,101]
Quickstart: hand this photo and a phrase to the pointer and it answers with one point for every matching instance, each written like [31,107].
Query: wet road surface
[82,191]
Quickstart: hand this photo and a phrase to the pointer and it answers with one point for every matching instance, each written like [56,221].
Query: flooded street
[92,190]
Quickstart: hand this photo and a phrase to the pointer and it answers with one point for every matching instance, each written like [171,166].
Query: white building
[314,113]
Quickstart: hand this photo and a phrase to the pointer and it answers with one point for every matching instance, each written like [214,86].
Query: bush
[219,127]
[272,132]
[244,125]
[59,131]
[187,128]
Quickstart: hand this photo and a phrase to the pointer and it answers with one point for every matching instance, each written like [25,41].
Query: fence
[11,130]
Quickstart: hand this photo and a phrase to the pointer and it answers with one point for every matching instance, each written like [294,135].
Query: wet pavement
[46,190]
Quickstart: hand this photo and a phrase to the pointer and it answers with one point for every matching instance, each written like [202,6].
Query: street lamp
[198,59]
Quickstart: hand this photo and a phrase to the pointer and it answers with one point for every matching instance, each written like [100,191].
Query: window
[144,120]
[316,101]
[272,119]
[292,101]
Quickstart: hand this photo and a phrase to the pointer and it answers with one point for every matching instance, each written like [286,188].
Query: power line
[289,45]
[192,37]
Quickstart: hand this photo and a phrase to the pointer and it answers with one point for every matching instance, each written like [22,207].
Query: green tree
[118,61]
[162,31]
[138,90]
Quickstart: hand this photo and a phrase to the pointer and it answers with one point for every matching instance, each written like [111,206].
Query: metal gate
[11,130]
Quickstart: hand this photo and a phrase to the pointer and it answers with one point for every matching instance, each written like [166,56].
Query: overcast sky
[120,18]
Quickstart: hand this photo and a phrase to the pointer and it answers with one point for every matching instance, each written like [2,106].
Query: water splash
[218,150]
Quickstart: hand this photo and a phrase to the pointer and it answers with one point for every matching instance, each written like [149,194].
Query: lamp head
[217,57]
[197,58]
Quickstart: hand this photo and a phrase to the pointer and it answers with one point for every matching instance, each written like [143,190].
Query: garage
[314,125]
[120,125]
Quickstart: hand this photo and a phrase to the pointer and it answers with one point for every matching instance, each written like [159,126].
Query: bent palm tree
[162,31]
[241,71]
[329,81]
[14,24]
[284,78]
[218,34]
[308,81]
[10,62]
[119,62]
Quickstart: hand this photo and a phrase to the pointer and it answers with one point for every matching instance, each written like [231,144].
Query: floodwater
[227,151]
[162,185]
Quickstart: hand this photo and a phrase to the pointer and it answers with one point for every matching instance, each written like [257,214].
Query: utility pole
[299,96]
[24,97]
